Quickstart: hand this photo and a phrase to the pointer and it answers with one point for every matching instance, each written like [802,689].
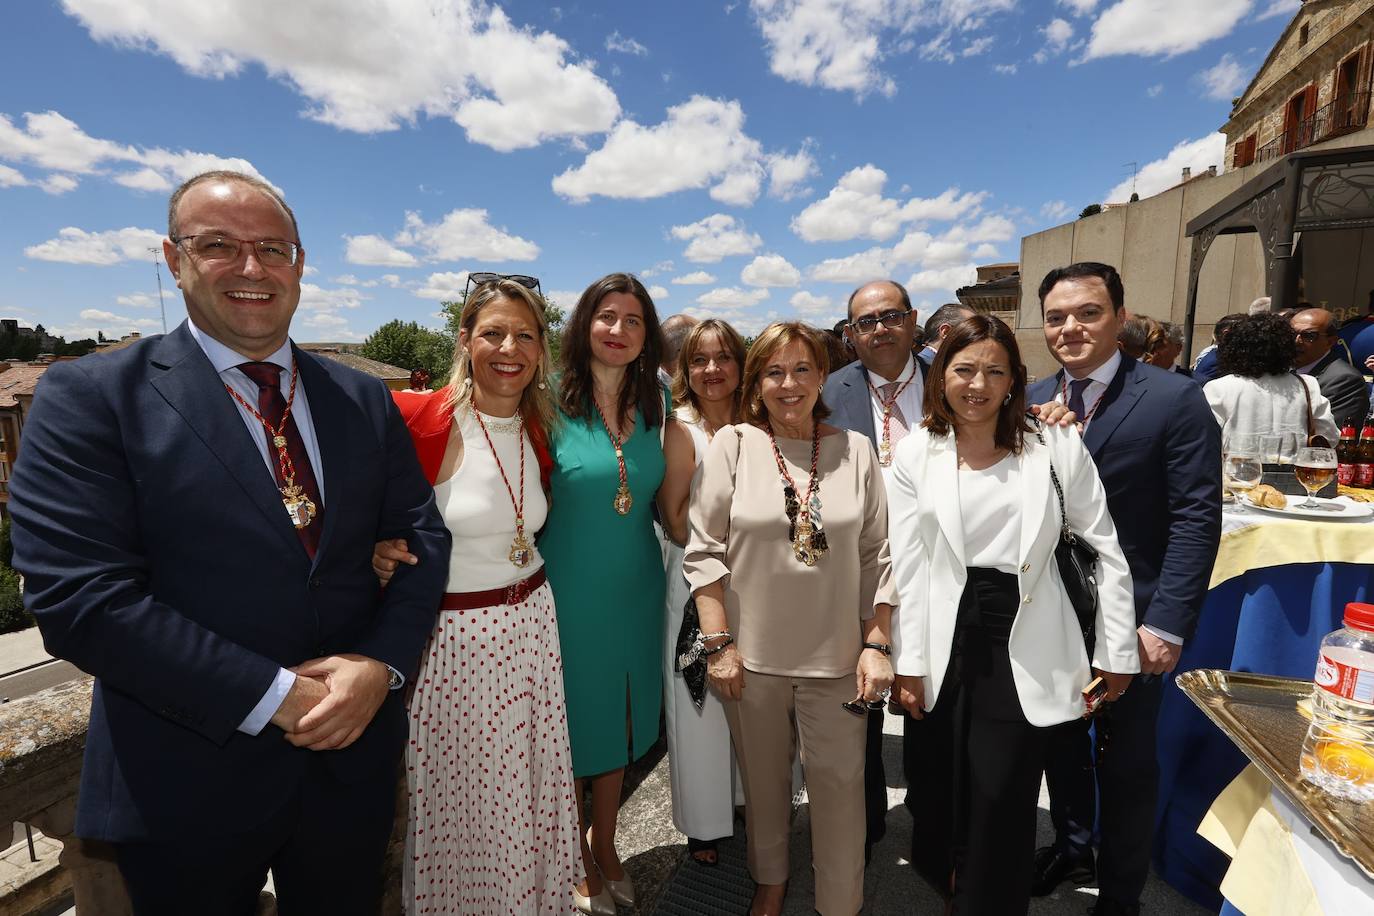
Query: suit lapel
[858,403]
[1119,400]
[329,408]
[193,389]
[944,476]
[1035,486]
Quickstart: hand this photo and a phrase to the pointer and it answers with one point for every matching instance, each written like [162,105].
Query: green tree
[410,346]
[13,617]
[554,317]
[1090,210]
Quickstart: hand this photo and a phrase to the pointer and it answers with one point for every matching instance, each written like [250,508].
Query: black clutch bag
[1077,562]
[687,657]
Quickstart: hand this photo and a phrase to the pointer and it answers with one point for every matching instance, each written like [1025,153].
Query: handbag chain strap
[1064,530]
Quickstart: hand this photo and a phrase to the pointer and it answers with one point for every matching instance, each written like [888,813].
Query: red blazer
[429,420]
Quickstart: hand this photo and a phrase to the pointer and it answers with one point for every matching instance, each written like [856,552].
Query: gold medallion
[885,453]
[803,544]
[623,500]
[299,507]
[520,551]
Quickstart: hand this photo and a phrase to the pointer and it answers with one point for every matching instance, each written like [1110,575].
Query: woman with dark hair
[1258,392]
[986,645]
[706,388]
[787,558]
[604,560]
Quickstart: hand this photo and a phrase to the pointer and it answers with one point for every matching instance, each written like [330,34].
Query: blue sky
[752,160]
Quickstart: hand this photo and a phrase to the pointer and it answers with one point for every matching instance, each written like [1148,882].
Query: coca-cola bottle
[1364,455]
[1345,456]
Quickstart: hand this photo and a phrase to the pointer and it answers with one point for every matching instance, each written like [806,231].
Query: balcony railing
[1344,115]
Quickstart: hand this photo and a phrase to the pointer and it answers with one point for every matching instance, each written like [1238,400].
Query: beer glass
[1314,468]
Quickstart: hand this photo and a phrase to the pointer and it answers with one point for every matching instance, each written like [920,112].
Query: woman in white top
[701,761]
[493,819]
[986,645]
[1259,394]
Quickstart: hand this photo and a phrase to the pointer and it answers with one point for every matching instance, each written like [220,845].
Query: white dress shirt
[1101,377]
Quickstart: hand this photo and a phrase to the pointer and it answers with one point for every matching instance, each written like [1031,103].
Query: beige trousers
[775,715]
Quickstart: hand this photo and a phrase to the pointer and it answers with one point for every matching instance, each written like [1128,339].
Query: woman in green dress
[603,559]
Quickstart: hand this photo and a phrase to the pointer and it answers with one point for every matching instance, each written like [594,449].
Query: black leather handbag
[1077,562]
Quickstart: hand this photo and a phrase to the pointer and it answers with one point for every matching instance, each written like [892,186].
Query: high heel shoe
[622,890]
[601,904]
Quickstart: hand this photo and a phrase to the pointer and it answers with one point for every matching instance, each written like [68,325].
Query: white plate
[1347,509]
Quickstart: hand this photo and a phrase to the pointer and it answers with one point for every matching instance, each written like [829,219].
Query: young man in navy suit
[1158,452]
[194,516]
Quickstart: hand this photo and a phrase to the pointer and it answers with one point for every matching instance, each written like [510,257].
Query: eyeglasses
[270,252]
[862,707]
[1308,336]
[869,323]
[481,278]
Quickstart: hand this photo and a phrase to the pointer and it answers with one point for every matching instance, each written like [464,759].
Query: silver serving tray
[1259,713]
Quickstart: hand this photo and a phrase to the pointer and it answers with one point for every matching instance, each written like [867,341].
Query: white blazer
[1048,660]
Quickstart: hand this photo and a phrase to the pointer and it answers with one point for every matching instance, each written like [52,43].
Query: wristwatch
[882,647]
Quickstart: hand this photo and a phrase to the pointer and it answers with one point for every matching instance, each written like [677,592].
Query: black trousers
[1126,789]
[325,850]
[973,764]
[875,780]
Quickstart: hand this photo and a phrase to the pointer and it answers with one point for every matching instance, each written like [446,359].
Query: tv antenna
[1135,170]
[162,306]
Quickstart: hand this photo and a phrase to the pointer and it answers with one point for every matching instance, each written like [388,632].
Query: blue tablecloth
[1268,621]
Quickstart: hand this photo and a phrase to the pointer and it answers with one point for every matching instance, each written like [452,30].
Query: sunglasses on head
[481,278]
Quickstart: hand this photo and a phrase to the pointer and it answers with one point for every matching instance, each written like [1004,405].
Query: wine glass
[1242,468]
[1314,468]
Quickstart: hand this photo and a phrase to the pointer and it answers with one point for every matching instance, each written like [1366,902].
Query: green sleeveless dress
[606,571]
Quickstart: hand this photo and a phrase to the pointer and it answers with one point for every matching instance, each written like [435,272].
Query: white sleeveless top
[478,511]
[696,427]
[990,503]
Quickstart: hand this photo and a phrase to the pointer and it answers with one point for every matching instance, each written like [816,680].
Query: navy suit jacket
[846,394]
[158,557]
[1158,452]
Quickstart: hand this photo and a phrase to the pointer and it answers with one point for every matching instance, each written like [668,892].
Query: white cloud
[715,237]
[725,297]
[624,44]
[1279,8]
[447,285]
[465,234]
[118,325]
[695,278]
[1079,7]
[935,254]
[658,292]
[391,280]
[787,175]
[740,188]
[699,143]
[1166,172]
[50,141]
[375,250]
[1155,90]
[12,178]
[1057,34]
[567,297]
[945,280]
[856,208]
[1225,80]
[1055,210]
[737,306]
[842,44]
[872,264]
[1006,69]
[977,46]
[662,267]
[137,301]
[315,298]
[1162,27]
[378,66]
[77,246]
[812,307]
[770,270]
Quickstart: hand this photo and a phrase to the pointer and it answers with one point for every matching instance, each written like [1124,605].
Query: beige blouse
[790,619]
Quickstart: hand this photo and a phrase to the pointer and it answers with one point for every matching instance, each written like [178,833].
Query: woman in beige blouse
[787,557]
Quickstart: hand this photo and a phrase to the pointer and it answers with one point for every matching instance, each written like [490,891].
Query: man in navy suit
[1158,452]
[195,516]
[881,329]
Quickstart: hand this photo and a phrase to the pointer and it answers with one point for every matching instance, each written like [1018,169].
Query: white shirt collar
[223,358]
[1307,370]
[1104,373]
[877,381]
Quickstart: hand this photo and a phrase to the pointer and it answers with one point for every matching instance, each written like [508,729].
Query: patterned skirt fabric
[493,820]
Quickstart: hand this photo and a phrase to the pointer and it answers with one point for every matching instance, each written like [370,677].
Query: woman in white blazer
[986,646]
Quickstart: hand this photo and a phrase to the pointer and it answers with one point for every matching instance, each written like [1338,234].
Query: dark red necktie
[271,404]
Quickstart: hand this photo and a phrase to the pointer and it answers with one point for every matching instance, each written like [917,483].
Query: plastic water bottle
[1338,753]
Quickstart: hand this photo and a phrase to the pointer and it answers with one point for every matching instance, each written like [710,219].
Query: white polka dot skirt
[493,820]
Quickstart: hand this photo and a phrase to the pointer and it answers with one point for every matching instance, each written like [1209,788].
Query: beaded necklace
[803,515]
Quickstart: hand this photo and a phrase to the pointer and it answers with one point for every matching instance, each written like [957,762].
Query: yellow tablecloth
[1255,540]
